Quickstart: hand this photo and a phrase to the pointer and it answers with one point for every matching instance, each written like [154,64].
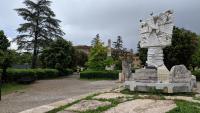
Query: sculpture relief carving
[155,34]
[157,31]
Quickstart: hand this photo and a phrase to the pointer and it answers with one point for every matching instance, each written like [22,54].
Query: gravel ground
[48,91]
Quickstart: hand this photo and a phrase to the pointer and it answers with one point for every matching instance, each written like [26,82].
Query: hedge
[90,74]
[197,74]
[36,74]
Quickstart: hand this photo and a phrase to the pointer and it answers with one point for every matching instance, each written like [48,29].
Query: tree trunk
[34,59]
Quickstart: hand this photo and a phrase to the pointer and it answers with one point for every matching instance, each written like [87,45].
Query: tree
[4,57]
[58,54]
[195,62]
[40,27]
[97,56]
[4,60]
[142,52]
[118,48]
[184,45]
[79,58]
[117,52]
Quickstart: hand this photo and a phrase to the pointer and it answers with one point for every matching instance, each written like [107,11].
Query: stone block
[163,74]
[145,75]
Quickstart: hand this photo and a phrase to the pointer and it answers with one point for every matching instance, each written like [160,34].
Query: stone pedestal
[179,79]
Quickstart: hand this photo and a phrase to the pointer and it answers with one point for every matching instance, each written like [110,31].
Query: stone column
[155,57]
[109,48]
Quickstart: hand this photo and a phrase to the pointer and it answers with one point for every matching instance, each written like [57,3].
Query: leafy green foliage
[142,52]
[97,56]
[79,58]
[197,74]
[117,51]
[15,74]
[40,27]
[90,74]
[195,62]
[184,45]
[4,42]
[58,54]
[109,61]
[5,55]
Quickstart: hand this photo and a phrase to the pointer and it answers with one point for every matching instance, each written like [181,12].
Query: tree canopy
[184,45]
[97,56]
[58,54]
[40,27]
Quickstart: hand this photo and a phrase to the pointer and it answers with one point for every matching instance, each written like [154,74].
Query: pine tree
[40,27]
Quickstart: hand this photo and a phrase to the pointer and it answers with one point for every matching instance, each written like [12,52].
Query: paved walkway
[48,91]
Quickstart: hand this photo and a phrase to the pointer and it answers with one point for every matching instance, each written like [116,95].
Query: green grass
[186,107]
[11,87]
[63,107]
[114,102]
[70,104]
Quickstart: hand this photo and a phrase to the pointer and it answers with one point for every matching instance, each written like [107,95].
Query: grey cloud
[83,19]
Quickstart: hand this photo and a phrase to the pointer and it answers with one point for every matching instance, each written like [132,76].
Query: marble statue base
[163,87]
[179,79]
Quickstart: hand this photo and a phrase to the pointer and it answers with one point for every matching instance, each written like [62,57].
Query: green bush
[37,74]
[197,74]
[16,74]
[90,74]
[46,73]
[67,72]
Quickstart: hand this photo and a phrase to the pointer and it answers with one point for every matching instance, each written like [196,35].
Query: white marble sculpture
[155,34]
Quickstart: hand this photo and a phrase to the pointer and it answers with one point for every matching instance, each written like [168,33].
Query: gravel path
[48,91]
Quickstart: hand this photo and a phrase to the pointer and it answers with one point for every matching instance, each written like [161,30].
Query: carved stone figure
[155,34]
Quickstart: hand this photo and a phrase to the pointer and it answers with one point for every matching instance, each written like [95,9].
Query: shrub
[90,74]
[46,73]
[197,74]
[66,72]
[14,75]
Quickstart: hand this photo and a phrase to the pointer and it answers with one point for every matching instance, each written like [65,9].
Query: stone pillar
[109,48]
[155,57]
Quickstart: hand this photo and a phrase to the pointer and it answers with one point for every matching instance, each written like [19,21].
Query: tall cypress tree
[40,27]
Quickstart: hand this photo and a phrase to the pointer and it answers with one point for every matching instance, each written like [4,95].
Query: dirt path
[48,91]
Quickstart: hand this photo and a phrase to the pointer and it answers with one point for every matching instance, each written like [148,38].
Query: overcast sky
[83,19]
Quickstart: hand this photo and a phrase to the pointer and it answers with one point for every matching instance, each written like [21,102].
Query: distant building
[84,48]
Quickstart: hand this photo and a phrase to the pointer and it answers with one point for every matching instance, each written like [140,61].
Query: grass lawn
[186,107]
[11,87]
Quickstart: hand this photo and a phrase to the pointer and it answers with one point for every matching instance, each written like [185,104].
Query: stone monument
[126,66]
[109,55]
[156,34]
